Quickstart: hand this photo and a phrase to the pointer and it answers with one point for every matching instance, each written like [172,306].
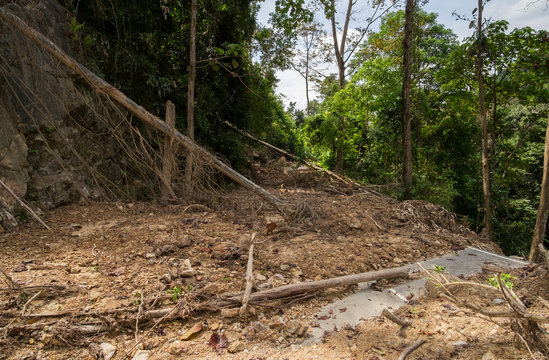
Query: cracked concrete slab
[367,302]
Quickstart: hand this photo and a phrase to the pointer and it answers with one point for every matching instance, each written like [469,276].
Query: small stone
[259,326]
[215,326]
[186,241]
[355,225]
[228,313]
[107,350]
[292,326]
[150,256]
[187,273]
[397,260]
[498,301]
[460,343]
[260,277]
[302,330]
[75,270]
[279,276]
[488,356]
[186,270]
[296,327]
[277,323]
[141,355]
[296,272]
[353,348]
[284,267]
[161,227]
[236,346]
[265,285]
[178,347]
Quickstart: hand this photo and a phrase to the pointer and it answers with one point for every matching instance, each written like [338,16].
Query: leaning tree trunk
[543,210]
[406,85]
[484,124]
[190,94]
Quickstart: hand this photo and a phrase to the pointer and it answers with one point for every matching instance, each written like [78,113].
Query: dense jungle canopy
[355,125]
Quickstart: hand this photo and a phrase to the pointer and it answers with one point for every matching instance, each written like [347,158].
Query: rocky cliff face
[46,147]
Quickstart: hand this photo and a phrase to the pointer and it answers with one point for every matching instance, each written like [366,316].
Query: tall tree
[343,54]
[190,93]
[308,55]
[406,90]
[543,210]
[485,147]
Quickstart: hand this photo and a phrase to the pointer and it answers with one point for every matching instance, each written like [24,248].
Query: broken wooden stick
[249,279]
[305,287]
[389,315]
[12,285]
[23,204]
[411,348]
[109,90]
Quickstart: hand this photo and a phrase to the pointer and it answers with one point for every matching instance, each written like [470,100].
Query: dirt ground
[104,265]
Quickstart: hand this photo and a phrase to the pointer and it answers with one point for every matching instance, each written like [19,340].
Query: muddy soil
[82,284]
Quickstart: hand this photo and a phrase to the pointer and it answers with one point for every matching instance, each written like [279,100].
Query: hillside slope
[107,258]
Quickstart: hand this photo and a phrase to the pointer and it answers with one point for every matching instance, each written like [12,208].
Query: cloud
[520,13]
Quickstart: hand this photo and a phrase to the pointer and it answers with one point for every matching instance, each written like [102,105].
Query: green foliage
[445,129]
[439,269]
[142,48]
[176,291]
[505,278]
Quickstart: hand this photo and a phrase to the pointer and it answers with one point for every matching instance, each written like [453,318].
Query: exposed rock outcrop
[50,154]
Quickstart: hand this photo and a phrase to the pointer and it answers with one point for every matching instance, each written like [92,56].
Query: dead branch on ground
[24,205]
[11,284]
[520,319]
[307,287]
[389,315]
[411,348]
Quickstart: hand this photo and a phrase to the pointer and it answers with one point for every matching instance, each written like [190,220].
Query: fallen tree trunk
[293,157]
[104,87]
[305,287]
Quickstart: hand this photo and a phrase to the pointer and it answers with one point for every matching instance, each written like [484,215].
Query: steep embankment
[61,141]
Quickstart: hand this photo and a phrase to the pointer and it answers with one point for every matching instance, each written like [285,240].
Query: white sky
[516,12]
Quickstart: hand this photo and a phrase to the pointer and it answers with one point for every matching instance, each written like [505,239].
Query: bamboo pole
[104,87]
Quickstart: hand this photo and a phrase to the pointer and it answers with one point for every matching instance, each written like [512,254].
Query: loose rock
[141,355]
[178,347]
[236,346]
[107,350]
